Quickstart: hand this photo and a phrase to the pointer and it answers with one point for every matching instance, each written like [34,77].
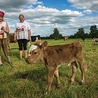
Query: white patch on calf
[33,47]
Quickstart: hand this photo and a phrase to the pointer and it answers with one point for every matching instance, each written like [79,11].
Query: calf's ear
[44,45]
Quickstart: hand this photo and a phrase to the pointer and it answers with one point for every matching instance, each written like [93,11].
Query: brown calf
[53,56]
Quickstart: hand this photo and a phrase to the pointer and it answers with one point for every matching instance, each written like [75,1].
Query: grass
[30,81]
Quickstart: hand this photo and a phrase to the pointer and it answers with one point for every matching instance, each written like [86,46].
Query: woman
[22,34]
[4,30]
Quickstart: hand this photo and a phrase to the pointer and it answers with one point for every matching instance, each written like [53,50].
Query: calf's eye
[35,52]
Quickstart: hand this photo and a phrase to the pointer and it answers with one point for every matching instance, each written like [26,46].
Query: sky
[45,15]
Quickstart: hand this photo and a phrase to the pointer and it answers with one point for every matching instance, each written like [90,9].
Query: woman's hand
[15,39]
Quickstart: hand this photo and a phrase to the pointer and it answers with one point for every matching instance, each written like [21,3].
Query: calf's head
[36,52]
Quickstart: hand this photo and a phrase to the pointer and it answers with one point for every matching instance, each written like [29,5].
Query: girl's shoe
[1,64]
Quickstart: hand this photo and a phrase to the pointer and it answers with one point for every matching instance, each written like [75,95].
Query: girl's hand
[2,28]
[2,32]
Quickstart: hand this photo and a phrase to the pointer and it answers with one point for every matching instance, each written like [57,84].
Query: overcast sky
[44,15]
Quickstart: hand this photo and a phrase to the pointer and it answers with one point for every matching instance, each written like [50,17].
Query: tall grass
[30,81]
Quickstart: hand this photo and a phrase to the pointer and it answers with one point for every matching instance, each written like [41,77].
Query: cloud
[85,4]
[15,5]
[87,11]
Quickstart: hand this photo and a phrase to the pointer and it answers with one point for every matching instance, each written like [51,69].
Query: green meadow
[30,80]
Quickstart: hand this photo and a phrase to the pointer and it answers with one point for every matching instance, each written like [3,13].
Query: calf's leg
[74,70]
[82,70]
[50,78]
[56,73]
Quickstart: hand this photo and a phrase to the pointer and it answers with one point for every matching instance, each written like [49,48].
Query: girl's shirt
[3,35]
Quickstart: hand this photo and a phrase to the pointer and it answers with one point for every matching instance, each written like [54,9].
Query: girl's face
[1,19]
[21,18]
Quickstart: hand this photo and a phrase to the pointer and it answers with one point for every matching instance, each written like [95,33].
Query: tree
[93,31]
[80,33]
[56,34]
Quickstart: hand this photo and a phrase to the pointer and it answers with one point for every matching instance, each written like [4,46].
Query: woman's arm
[29,35]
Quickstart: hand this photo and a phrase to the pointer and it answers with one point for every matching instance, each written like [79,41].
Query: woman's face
[21,18]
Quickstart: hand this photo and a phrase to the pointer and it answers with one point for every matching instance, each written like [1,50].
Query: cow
[95,40]
[54,56]
[83,37]
[65,38]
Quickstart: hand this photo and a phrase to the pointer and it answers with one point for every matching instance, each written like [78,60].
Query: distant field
[29,81]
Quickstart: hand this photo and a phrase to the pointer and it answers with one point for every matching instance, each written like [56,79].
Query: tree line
[79,34]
